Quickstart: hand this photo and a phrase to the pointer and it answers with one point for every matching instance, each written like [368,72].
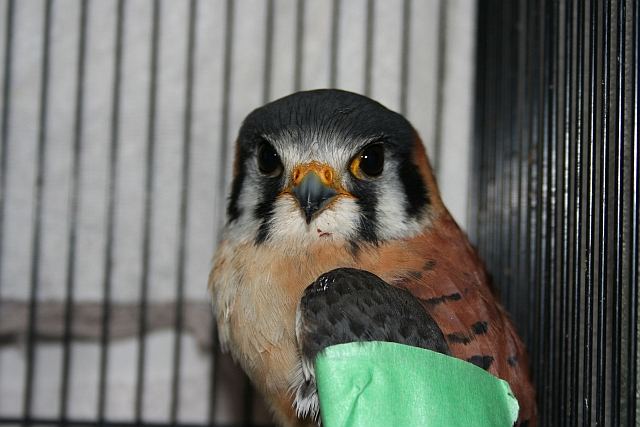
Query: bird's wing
[348,305]
[451,283]
[351,305]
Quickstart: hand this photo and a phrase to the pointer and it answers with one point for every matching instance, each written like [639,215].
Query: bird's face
[326,165]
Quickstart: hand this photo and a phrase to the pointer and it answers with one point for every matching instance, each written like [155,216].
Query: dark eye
[370,161]
[268,160]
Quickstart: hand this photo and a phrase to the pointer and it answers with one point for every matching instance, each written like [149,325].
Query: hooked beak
[312,194]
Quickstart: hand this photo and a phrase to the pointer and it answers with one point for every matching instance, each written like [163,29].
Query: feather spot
[458,338]
[454,297]
[481,361]
[429,265]
[439,300]
[480,328]
[414,275]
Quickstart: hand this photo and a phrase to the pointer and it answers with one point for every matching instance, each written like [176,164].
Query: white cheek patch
[393,221]
[337,222]
[245,228]
[248,196]
[391,216]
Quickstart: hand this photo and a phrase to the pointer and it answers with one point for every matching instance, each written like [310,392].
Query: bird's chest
[255,292]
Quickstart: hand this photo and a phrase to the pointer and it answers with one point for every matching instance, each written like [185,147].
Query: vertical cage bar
[484,88]
[494,111]
[568,141]
[222,162]
[542,209]
[553,284]
[603,216]
[183,212]
[634,255]
[557,259]
[503,171]
[36,246]
[488,118]
[523,162]
[73,211]
[492,118]
[511,191]
[404,56]
[112,192]
[368,46]
[498,161]
[6,115]
[551,171]
[591,220]
[440,81]
[499,129]
[484,160]
[577,126]
[268,52]
[616,341]
[299,44]
[334,43]
[148,211]
[226,99]
[500,139]
[474,213]
[532,181]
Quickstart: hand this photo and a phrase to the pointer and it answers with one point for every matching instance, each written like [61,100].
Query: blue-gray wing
[348,305]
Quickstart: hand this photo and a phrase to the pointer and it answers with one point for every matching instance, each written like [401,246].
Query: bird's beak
[313,188]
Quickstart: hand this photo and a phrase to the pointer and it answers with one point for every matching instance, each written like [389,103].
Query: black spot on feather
[458,338]
[439,300]
[480,328]
[429,265]
[414,275]
[481,361]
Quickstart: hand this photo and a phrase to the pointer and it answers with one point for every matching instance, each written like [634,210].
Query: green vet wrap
[388,384]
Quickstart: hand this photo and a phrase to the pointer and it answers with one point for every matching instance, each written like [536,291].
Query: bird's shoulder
[444,272]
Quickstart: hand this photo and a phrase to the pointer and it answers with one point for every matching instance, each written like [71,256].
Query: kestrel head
[329,165]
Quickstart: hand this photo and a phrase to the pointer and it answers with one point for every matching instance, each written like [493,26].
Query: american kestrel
[336,232]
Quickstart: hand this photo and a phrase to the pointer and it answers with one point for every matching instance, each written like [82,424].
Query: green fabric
[388,384]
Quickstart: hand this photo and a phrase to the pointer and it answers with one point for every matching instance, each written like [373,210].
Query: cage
[557,193]
[118,119]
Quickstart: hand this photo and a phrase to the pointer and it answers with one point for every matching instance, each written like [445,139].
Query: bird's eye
[370,161]
[268,160]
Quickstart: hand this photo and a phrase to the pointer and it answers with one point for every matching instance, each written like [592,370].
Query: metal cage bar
[576,132]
